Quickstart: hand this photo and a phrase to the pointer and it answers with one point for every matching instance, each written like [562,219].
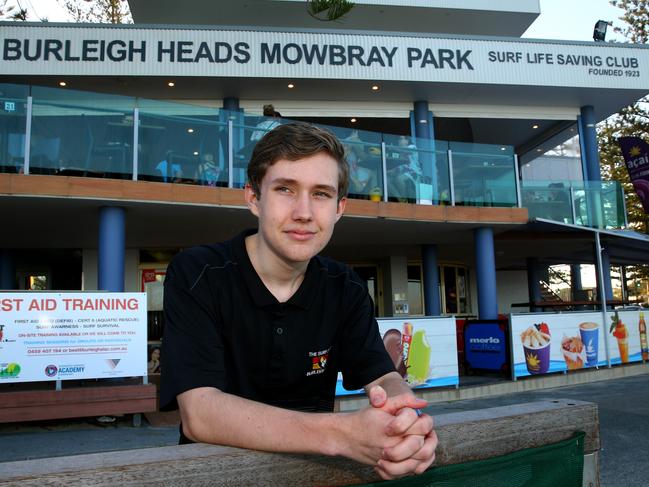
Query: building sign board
[61,336]
[37,49]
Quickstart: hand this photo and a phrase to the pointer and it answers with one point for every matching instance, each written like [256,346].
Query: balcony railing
[598,204]
[66,132]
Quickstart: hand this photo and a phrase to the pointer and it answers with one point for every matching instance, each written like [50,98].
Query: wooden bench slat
[463,437]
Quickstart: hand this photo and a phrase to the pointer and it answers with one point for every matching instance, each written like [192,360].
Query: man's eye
[282,189]
[322,194]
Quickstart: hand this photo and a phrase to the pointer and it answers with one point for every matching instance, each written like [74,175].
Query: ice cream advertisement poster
[424,351]
[545,343]
[63,336]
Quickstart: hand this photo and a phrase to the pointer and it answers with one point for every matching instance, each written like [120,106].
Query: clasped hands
[408,441]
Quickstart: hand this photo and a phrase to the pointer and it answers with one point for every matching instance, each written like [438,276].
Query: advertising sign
[424,351]
[63,336]
[546,343]
[485,345]
[636,157]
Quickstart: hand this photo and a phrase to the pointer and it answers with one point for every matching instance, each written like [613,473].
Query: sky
[559,19]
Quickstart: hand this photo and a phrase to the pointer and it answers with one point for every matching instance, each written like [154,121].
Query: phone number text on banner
[63,336]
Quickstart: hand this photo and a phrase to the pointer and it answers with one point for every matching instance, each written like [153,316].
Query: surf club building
[473,152]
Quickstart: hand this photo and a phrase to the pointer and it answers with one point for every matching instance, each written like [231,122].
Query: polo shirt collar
[260,294]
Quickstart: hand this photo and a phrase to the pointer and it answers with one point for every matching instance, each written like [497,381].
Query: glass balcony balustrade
[66,132]
[597,204]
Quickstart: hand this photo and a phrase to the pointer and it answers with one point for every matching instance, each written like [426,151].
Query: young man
[257,328]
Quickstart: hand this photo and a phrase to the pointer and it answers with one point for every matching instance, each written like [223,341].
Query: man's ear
[251,199]
[342,203]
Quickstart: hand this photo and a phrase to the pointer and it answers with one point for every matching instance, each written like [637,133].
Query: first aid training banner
[62,336]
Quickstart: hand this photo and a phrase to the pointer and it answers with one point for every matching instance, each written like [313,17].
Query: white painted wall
[512,288]
[90,274]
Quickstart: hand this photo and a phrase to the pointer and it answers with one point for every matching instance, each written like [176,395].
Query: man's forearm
[211,416]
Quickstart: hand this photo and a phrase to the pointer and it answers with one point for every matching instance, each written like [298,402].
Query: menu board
[62,336]
[548,342]
[424,351]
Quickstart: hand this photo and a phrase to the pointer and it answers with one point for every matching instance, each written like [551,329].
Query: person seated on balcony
[267,125]
[404,177]
[208,171]
[169,173]
[560,208]
[361,179]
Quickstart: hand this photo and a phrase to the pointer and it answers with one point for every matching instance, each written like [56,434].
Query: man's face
[298,207]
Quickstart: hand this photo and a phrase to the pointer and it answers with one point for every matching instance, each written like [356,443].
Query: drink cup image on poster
[549,342]
[423,350]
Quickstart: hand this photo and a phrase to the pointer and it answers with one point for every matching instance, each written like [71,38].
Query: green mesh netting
[557,465]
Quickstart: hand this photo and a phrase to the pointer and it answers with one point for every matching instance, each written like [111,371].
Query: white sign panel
[424,351]
[546,342]
[40,49]
[63,336]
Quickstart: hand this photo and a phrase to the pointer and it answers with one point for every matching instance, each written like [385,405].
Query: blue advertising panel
[485,345]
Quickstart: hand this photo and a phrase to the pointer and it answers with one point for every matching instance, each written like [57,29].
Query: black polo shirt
[224,329]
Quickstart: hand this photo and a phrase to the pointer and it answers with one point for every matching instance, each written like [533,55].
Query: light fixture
[291,86]
[503,148]
[538,150]
[375,87]
[62,83]
[171,84]
[599,32]
[535,126]
[353,120]
[191,131]
[195,152]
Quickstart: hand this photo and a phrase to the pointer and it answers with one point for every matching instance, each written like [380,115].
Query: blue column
[424,132]
[423,129]
[606,271]
[485,263]
[231,103]
[432,305]
[576,285]
[7,270]
[533,284]
[589,144]
[112,241]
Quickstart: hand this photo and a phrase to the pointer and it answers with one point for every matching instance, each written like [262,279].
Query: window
[455,290]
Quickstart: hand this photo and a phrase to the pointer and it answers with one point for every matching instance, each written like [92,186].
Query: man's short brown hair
[292,142]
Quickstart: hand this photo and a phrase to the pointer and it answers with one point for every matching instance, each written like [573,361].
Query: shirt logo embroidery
[318,362]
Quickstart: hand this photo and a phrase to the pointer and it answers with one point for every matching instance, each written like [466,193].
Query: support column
[589,144]
[112,242]
[606,271]
[231,103]
[576,286]
[432,305]
[533,282]
[485,260]
[424,132]
[7,270]
[590,157]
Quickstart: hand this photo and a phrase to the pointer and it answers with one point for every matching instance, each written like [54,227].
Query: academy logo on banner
[636,156]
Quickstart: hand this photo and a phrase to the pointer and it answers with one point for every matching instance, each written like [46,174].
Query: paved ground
[624,423]
[623,408]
